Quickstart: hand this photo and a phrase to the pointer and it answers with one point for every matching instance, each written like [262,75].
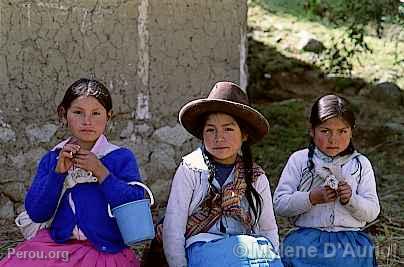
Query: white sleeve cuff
[300,202]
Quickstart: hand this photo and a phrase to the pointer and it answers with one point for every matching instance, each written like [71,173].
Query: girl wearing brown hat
[220,211]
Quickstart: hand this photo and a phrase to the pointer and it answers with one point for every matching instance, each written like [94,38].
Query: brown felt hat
[225,97]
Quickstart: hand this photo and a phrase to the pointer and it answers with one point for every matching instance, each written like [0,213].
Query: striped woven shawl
[226,202]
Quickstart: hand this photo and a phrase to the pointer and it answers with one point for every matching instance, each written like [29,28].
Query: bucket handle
[141,185]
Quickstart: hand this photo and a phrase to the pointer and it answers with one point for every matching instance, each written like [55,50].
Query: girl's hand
[66,156]
[344,191]
[86,160]
[322,194]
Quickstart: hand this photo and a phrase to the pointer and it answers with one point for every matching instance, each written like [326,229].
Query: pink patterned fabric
[42,251]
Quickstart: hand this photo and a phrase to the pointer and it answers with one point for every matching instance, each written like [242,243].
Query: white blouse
[363,206]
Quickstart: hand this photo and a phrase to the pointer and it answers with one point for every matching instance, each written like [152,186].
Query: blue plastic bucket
[134,219]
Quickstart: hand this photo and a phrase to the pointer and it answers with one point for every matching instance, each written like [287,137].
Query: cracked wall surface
[153,55]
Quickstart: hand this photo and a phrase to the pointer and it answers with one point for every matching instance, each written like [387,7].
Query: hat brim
[254,122]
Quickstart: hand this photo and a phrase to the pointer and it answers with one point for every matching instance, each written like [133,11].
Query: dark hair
[253,197]
[250,191]
[327,107]
[85,87]
[330,106]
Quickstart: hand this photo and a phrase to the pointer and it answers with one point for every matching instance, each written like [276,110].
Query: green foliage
[337,59]
[293,7]
[358,14]
[357,17]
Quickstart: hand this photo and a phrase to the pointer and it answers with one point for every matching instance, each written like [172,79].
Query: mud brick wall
[153,55]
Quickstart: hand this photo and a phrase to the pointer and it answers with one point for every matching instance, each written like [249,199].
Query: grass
[288,132]
[278,23]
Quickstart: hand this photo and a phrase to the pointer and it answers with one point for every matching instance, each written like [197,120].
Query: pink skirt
[42,251]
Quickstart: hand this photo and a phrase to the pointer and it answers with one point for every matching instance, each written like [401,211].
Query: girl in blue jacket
[74,183]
